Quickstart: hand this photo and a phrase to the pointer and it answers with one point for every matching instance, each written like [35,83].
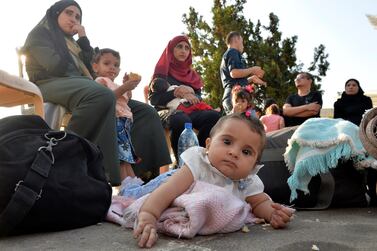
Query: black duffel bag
[49,180]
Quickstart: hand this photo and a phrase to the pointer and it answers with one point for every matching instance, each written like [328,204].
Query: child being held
[106,65]
[159,85]
[230,161]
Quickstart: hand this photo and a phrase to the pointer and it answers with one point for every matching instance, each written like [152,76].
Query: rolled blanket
[117,207]
[368,131]
[204,209]
[317,145]
[133,187]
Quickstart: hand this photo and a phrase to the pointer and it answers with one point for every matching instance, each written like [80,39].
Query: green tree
[264,46]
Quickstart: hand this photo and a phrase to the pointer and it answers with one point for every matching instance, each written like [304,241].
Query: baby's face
[234,149]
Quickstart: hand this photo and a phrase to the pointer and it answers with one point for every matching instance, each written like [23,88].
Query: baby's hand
[281,215]
[145,230]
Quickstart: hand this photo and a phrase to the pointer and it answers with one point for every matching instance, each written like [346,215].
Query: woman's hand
[145,230]
[181,90]
[187,93]
[79,30]
[191,98]
[281,215]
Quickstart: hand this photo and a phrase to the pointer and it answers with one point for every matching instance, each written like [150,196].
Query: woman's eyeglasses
[300,78]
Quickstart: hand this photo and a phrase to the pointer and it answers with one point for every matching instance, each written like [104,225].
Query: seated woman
[148,138]
[351,106]
[175,65]
[353,103]
[61,67]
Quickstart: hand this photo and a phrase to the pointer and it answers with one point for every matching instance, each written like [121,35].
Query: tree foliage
[264,46]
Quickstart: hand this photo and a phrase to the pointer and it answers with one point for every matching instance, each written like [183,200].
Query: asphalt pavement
[331,229]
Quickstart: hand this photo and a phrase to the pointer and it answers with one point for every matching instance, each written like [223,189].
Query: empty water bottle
[186,140]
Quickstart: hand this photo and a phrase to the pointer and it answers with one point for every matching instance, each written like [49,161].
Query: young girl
[272,120]
[229,160]
[242,100]
[106,65]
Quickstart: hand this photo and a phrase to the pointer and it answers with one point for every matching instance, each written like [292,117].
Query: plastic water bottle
[186,140]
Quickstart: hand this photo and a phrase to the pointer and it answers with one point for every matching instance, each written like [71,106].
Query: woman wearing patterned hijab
[175,66]
[60,66]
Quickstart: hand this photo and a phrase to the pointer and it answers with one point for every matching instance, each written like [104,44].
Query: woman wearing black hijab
[60,66]
[353,103]
[351,106]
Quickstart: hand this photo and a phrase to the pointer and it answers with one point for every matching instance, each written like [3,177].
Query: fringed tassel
[315,164]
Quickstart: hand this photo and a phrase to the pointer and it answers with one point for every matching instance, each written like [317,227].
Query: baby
[159,85]
[229,160]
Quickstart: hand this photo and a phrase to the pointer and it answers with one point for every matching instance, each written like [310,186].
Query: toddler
[242,100]
[230,161]
[106,65]
[162,85]
[272,120]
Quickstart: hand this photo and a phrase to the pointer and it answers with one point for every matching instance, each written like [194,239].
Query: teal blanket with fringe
[317,145]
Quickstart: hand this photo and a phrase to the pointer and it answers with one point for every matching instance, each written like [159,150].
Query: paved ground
[334,229]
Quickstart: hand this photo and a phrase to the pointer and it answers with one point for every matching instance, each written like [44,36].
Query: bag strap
[30,189]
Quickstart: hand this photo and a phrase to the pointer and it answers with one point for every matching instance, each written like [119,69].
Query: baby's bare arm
[263,207]
[157,202]
[260,205]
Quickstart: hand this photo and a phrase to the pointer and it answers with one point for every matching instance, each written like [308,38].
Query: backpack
[343,186]
[49,180]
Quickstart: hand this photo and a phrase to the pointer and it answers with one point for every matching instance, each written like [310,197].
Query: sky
[140,30]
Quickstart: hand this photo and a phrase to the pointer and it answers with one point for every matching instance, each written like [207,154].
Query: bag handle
[30,189]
